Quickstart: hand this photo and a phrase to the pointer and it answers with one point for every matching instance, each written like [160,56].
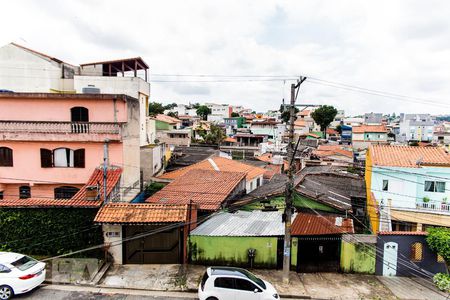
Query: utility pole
[105,169]
[290,184]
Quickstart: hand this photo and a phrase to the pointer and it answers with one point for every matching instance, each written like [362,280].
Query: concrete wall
[405,267]
[212,250]
[253,184]
[116,250]
[23,71]
[358,257]
[37,190]
[152,160]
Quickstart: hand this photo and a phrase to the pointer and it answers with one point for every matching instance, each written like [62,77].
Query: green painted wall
[163,125]
[226,250]
[299,201]
[358,258]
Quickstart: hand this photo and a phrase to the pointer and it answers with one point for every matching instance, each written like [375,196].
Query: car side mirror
[255,290]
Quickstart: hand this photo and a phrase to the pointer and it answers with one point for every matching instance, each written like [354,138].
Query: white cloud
[396,46]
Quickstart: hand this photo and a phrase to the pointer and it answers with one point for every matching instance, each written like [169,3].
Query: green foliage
[155,108]
[196,105]
[215,135]
[170,106]
[203,111]
[234,115]
[152,188]
[324,115]
[426,199]
[442,281]
[439,240]
[172,114]
[47,232]
[284,110]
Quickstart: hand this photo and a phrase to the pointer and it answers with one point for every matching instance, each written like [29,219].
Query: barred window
[417,251]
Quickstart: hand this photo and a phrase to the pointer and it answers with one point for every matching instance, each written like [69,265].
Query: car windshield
[253,278]
[24,263]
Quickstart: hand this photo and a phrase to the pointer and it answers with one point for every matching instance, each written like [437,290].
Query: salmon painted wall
[25,109]
[37,190]
[27,162]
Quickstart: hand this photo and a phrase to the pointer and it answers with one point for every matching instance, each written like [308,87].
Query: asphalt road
[51,294]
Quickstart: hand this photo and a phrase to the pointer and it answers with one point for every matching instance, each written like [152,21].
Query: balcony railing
[37,130]
[434,206]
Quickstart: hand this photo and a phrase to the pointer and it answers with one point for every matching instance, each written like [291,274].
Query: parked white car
[227,283]
[19,274]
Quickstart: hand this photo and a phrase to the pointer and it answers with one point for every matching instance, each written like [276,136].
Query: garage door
[161,248]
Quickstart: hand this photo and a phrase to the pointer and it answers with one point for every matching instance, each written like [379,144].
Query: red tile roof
[402,233]
[142,213]
[329,150]
[78,200]
[369,128]
[167,119]
[313,224]
[223,164]
[230,140]
[407,156]
[207,188]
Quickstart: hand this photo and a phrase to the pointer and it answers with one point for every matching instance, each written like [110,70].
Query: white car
[19,274]
[227,283]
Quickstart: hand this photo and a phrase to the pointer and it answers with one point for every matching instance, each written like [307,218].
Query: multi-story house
[373,118]
[365,135]
[219,112]
[50,144]
[26,70]
[266,127]
[416,127]
[338,119]
[441,135]
[233,123]
[407,187]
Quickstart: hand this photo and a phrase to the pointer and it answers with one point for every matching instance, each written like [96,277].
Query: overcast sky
[401,47]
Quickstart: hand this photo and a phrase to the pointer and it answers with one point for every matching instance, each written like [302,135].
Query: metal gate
[161,248]
[318,254]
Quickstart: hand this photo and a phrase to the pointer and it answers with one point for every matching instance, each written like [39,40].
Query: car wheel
[212,298]
[6,292]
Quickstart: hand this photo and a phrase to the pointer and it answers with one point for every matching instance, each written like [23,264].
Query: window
[417,251]
[65,192]
[4,269]
[63,157]
[245,285]
[204,278]
[385,185]
[6,157]
[24,263]
[224,282]
[79,114]
[440,259]
[24,192]
[434,186]
[1,195]
[258,182]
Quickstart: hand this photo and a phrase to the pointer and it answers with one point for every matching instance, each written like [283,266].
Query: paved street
[90,293]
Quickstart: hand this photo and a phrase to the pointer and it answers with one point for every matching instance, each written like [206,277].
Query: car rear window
[204,278]
[253,278]
[24,263]
[224,282]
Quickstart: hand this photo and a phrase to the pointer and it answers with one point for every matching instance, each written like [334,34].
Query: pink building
[51,144]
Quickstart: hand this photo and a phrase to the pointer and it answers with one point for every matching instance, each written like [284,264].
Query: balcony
[433,206]
[59,131]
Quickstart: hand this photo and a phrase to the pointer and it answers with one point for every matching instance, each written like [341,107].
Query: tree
[155,108]
[203,111]
[172,114]
[234,115]
[215,135]
[195,105]
[323,116]
[170,106]
[284,110]
[439,240]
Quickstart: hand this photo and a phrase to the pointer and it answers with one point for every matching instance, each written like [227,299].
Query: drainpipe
[105,169]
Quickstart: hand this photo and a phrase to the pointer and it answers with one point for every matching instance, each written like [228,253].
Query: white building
[26,70]
[183,110]
[415,127]
[219,112]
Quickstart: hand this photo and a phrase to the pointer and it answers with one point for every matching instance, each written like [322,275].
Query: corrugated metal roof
[243,223]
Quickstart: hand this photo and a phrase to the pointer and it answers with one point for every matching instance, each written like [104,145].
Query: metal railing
[435,206]
[59,127]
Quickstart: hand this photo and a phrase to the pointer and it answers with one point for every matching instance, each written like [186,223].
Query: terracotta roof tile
[141,213]
[167,119]
[328,150]
[230,140]
[369,128]
[78,200]
[207,188]
[407,156]
[223,164]
[312,224]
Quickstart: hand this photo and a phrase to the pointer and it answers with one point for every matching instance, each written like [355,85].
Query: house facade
[416,127]
[26,70]
[365,135]
[410,185]
[51,148]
